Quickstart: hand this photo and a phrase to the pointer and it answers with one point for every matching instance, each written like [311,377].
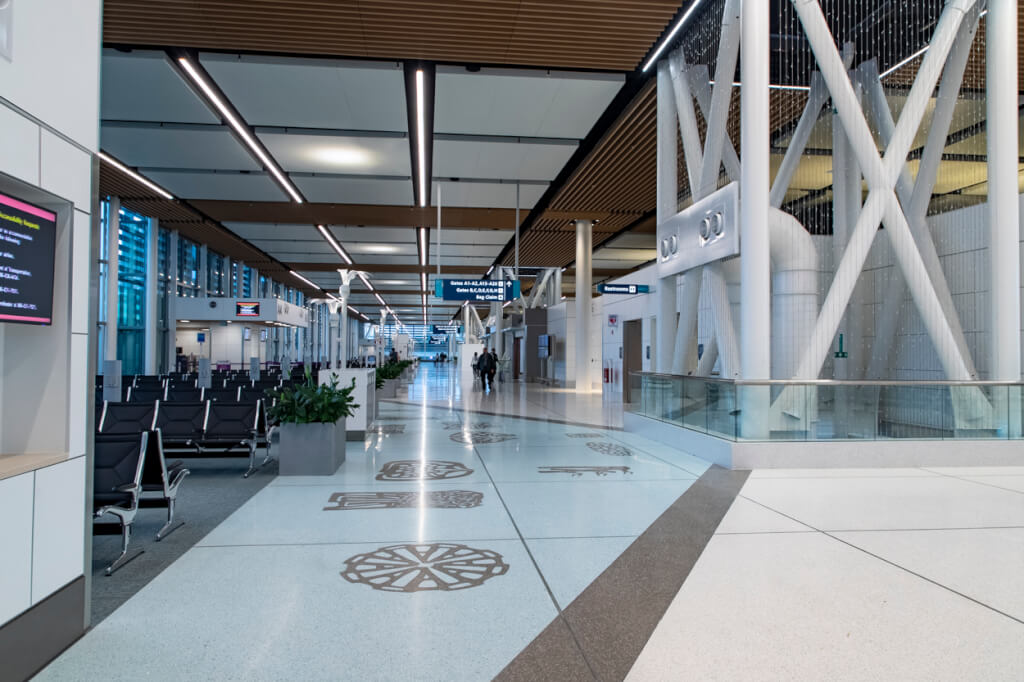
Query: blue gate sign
[476,290]
[200,337]
[623,289]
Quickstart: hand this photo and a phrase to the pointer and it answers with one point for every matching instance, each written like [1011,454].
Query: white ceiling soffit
[355,155]
[227,186]
[184,148]
[142,86]
[378,234]
[312,93]
[490,194]
[521,103]
[460,251]
[493,237]
[302,251]
[334,190]
[499,160]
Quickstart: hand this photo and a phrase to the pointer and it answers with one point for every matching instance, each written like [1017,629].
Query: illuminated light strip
[239,128]
[334,243]
[301,278]
[365,281]
[904,62]
[802,88]
[672,34]
[135,176]
[423,246]
[421,133]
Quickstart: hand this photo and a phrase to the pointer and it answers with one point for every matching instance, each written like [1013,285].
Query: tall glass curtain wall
[131,289]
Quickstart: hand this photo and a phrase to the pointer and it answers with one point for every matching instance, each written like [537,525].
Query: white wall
[562,325]
[49,129]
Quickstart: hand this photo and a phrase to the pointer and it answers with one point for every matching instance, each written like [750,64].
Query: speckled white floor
[262,596]
[899,574]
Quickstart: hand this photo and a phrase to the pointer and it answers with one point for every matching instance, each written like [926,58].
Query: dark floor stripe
[550,420]
[615,616]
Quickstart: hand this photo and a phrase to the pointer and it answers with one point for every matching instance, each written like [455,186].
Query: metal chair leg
[170,526]
[252,459]
[126,536]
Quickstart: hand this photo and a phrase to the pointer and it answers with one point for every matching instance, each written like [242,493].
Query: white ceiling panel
[295,250]
[497,237]
[185,148]
[351,155]
[521,103]
[142,86]
[499,160]
[490,194]
[312,93]
[378,234]
[228,186]
[366,250]
[460,250]
[333,190]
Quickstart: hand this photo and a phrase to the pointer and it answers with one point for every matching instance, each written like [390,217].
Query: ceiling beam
[382,267]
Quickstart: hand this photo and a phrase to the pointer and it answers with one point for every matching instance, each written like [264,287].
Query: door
[632,353]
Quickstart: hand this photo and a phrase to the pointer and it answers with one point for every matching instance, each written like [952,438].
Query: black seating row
[130,472]
[193,428]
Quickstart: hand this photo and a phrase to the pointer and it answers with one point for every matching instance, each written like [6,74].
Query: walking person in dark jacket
[486,367]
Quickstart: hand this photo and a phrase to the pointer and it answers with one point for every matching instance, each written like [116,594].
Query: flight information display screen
[28,236]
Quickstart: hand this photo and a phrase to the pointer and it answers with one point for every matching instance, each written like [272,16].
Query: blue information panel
[476,290]
[623,289]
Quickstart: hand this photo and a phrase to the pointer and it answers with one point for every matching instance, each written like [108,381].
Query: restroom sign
[613,320]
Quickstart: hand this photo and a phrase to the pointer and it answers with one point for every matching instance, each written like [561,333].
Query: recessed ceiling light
[343,156]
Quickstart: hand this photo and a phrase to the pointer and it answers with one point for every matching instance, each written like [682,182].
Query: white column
[172,299]
[113,232]
[668,206]
[1003,209]
[755,283]
[204,274]
[152,292]
[584,277]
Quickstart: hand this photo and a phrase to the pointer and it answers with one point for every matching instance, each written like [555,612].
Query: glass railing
[831,410]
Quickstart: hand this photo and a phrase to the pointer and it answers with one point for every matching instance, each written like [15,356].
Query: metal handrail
[823,382]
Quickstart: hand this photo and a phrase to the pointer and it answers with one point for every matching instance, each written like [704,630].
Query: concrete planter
[389,389]
[311,449]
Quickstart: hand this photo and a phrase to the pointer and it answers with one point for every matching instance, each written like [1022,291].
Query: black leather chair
[125,418]
[232,425]
[180,425]
[187,395]
[229,395]
[160,483]
[118,463]
[145,394]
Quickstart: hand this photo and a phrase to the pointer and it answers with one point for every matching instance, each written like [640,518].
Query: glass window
[131,293]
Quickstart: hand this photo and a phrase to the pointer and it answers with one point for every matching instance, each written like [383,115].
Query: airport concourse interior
[591,340]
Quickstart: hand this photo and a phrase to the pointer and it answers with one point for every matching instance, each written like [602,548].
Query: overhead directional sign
[476,290]
[623,289]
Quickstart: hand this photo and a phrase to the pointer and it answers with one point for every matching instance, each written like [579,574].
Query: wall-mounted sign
[247,309]
[623,289]
[476,290]
[613,320]
[200,337]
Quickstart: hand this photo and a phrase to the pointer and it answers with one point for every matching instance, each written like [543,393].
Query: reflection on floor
[438,386]
[438,551]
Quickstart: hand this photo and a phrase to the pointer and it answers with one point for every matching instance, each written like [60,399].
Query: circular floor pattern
[439,566]
[429,470]
[611,449]
[478,437]
[585,435]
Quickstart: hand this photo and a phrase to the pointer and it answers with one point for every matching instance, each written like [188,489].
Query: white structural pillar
[1003,209]
[584,277]
[172,299]
[152,297]
[113,232]
[668,206]
[755,179]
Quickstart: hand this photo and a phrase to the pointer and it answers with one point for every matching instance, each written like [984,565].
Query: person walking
[494,367]
[476,365]
[485,365]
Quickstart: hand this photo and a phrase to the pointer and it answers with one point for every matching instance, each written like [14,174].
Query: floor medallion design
[436,499]
[415,469]
[439,566]
[476,426]
[611,449]
[477,437]
[388,428]
[578,471]
[585,435]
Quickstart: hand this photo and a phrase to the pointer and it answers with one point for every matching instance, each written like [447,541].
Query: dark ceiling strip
[421,195]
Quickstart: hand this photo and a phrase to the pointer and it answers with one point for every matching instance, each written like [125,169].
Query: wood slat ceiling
[591,34]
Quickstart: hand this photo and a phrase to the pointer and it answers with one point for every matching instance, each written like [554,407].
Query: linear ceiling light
[240,128]
[365,281]
[803,88]
[135,176]
[904,62]
[421,136]
[672,34]
[334,243]
[303,279]
[423,245]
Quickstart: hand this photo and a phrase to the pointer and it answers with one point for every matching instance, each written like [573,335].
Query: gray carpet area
[211,493]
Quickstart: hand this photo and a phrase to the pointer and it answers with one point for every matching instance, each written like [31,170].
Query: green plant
[311,403]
